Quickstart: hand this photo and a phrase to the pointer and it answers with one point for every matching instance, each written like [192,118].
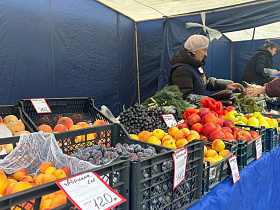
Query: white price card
[180,164]
[258,147]
[169,120]
[234,168]
[88,192]
[40,105]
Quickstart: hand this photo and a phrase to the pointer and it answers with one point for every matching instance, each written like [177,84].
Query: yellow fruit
[50,170]
[158,133]
[134,136]
[154,140]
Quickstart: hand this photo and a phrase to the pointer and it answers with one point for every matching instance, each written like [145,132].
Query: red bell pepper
[219,107]
[209,102]
[188,112]
[248,116]
[230,108]
[225,112]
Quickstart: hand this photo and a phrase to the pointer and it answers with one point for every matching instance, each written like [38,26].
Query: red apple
[193,118]
[216,135]
[243,135]
[228,135]
[202,137]
[209,118]
[227,129]
[229,123]
[202,112]
[197,127]
[254,134]
[218,127]
[183,125]
[208,128]
[220,121]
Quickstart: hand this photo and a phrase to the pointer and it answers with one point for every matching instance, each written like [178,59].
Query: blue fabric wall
[71,48]
[242,51]
[66,48]
[218,62]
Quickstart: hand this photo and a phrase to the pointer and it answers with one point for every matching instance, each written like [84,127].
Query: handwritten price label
[258,147]
[88,191]
[40,105]
[180,164]
[234,168]
[169,120]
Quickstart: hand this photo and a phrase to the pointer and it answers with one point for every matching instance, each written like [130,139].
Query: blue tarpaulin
[258,187]
[82,48]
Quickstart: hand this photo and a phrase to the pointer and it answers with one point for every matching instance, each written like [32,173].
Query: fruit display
[139,118]
[21,180]
[16,127]
[100,155]
[215,152]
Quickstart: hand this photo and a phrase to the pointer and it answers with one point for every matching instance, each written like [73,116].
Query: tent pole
[137,61]
[231,59]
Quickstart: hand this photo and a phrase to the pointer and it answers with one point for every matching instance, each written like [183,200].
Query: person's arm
[261,67]
[272,89]
[214,84]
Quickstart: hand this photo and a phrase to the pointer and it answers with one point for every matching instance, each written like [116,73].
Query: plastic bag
[104,110]
[34,149]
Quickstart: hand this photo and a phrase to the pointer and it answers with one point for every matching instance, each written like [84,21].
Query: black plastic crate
[272,105]
[272,135]
[246,152]
[115,174]
[151,181]
[6,110]
[217,172]
[83,109]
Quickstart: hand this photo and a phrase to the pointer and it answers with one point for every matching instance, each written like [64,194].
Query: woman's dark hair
[270,44]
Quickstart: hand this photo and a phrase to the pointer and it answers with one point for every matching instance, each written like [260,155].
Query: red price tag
[180,164]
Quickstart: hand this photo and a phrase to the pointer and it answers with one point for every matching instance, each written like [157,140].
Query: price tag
[234,169]
[169,120]
[180,164]
[212,173]
[40,105]
[258,147]
[88,191]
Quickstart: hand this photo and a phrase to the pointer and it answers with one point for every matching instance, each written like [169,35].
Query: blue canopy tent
[117,57]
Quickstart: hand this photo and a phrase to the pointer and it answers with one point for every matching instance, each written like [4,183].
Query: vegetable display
[168,96]
[247,104]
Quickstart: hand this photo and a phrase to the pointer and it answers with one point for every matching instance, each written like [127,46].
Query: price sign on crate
[180,164]
[169,120]
[88,191]
[40,105]
[234,168]
[258,147]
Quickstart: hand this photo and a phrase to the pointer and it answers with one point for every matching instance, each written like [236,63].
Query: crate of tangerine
[79,112]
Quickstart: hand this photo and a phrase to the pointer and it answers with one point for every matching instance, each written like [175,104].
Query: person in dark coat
[272,89]
[259,67]
[188,74]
